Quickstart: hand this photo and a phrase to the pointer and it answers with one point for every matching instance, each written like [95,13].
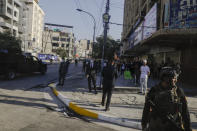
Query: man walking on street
[91,70]
[63,69]
[109,74]
[165,106]
[145,72]
[136,65]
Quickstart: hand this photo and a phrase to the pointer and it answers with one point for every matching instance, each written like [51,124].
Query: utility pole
[106,18]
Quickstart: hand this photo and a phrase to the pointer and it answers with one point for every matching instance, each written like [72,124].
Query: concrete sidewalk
[125,103]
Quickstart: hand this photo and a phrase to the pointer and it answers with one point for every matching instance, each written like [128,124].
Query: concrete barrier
[90,114]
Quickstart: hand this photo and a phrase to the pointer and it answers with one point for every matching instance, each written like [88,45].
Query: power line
[100,16]
[117,7]
[78,5]
[96,3]
[117,4]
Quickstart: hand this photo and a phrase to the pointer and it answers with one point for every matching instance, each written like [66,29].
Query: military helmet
[168,72]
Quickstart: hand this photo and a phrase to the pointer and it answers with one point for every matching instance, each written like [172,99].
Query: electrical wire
[78,5]
[100,18]
[118,7]
[117,4]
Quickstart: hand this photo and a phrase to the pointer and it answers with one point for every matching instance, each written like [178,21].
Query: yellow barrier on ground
[82,111]
[90,114]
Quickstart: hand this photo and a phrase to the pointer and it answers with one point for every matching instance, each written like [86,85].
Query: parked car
[12,64]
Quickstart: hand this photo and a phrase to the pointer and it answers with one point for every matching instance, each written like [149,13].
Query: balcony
[5,25]
[17,3]
[9,4]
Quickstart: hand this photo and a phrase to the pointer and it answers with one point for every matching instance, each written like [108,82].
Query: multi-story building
[83,48]
[163,30]
[9,16]
[32,26]
[55,38]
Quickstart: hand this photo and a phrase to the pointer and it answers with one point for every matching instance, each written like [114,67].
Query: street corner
[93,109]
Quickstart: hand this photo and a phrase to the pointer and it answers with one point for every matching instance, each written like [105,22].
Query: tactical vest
[169,103]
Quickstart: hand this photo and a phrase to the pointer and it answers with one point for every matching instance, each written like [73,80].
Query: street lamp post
[80,10]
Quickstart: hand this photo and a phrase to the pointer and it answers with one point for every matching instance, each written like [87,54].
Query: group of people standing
[139,70]
[109,74]
[165,107]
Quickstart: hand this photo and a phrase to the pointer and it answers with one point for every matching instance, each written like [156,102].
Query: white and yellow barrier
[90,114]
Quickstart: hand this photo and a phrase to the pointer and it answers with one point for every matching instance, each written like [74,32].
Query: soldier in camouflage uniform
[165,107]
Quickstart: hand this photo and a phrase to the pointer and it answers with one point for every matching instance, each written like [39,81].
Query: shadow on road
[26,98]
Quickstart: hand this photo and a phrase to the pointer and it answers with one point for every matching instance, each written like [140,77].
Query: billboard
[146,28]
[183,13]
[131,40]
[150,22]
[47,57]
[138,34]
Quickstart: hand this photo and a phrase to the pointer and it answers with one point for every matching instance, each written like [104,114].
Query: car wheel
[11,74]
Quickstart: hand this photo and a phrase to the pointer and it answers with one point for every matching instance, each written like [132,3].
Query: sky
[64,12]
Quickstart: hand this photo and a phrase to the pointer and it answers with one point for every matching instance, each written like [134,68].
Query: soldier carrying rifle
[166,107]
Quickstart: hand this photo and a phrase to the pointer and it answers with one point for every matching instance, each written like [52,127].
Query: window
[56,38]
[55,44]
[68,40]
[15,13]
[64,34]
[1,6]
[63,39]
[9,10]
[62,45]
[35,59]
[10,2]
[67,45]
[14,32]
[88,46]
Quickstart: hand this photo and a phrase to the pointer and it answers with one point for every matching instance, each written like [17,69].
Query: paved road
[29,80]
[25,110]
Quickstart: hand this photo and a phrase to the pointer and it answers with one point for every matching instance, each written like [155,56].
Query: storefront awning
[175,38]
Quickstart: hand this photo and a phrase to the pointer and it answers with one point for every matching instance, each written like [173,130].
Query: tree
[10,43]
[61,52]
[112,46]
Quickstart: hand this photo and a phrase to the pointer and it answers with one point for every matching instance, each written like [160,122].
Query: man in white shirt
[145,72]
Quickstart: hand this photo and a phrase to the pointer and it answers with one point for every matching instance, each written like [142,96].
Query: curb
[90,114]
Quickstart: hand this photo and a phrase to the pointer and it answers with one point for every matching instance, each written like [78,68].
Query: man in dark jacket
[91,70]
[166,106]
[63,69]
[137,64]
[109,74]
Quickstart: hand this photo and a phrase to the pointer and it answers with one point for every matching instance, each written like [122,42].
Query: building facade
[9,16]
[32,26]
[54,39]
[25,20]
[163,31]
[83,48]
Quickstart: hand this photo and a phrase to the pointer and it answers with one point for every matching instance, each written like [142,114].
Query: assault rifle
[165,116]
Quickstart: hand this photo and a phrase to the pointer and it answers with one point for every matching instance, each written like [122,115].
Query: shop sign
[183,14]
[150,22]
